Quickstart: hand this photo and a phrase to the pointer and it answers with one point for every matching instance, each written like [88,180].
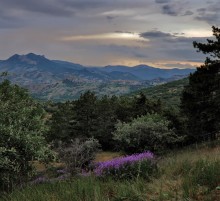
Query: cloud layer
[100,32]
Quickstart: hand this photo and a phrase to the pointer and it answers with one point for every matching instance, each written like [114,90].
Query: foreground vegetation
[190,174]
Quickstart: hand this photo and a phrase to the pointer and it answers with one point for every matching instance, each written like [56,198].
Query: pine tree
[86,115]
[201,97]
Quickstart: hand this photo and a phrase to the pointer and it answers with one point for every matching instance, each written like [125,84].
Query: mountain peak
[30,58]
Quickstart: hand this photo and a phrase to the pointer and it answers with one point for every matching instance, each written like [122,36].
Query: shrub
[22,127]
[129,167]
[78,154]
[150,132]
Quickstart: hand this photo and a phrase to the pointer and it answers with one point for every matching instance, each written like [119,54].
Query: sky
[109,32]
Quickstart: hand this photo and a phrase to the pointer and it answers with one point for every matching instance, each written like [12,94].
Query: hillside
[60,80]
[169,93]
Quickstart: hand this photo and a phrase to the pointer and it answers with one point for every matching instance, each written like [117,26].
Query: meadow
[188,174]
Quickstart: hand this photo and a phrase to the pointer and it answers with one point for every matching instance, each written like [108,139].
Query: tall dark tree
[86,121]
[61,122]
[201,97]
[106,121]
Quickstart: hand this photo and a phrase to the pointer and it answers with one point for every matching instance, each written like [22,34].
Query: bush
[130,167]
[22,127]
[78,154]
[150,132]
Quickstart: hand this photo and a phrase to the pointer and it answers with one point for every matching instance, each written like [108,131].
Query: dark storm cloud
[162,1]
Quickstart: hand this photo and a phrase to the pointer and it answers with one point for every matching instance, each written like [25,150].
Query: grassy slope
[173,183]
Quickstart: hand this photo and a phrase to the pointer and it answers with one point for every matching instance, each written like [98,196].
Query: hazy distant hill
[62,80]
[144,72]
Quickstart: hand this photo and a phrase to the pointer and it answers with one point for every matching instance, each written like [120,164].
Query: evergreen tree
[106,121]
[86,122]
[61,122]
[201,97]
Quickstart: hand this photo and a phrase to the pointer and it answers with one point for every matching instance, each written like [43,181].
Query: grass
[105,156]
[186,175]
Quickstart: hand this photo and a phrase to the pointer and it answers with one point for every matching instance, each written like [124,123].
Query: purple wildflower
[121,162]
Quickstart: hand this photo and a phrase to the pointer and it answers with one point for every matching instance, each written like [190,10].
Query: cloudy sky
[108,32]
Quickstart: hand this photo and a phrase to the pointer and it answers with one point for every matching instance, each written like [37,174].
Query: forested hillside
[169,93]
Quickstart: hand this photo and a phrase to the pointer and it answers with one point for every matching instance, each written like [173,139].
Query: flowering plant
[127,167]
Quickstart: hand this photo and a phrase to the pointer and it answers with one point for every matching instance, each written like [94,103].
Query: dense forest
[47,131]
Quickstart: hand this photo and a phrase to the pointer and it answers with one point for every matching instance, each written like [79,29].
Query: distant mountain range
[61,80]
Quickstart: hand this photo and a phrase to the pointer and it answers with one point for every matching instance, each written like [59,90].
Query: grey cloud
[124,32]
[188,12]
[211,18]
[140,55]
[65,7]
[170,9]
[9,21]
[110,17]
[201,10]
[155,34]
[172,45]
[209,14]
[209,2]
[162,1]
[49,7]
[83,4]
[6,24]
[176,9]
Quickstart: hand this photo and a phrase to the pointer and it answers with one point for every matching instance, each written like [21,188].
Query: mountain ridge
[52,79]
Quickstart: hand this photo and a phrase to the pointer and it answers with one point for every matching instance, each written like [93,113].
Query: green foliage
[169,93]
[85,115]
[61,122]
[21,140]
[150,132]
[201,97]
[78,154]
[90,116]
[106,120]
[211,48]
